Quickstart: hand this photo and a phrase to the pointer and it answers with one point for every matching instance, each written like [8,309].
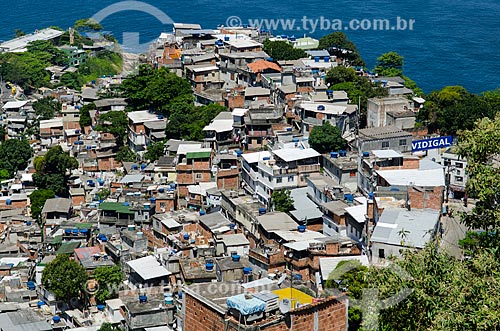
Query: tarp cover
[246,306]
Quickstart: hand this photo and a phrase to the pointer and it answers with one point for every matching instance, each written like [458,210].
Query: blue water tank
[40,304]
[326,59]
[84,231]
[75,231]
[316,59]
[179,295]
[31,285]
[295,140]
[301,228]
[232,226]
[186,236]
[8,202]
[160,117]
[28,223]
[56,319]
[235,258]
[226,38]
[209,266]
[349,197]
[289,129]
[321,107]
[134,167]
[101,307]
[247,271]
[334,155]
[161,190]
[366,154]
[143,298]
[270,59]
[262,211]
[202,212]
[67,231]
[239,153]
[126,204]
[172,185]
[266,158]
[153,200]
[370,195]
[297,276]
[342,153]
[169,300]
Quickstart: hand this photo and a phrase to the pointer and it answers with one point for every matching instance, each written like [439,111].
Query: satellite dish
[281,280]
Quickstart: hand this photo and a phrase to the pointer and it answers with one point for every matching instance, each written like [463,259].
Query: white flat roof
[239,112]
[243,43]
[357,212]
[329,108]
[219,126]
[255,157]
[203,68]
[294,154]
[148,268]
[295,235]
[188,148]
[201,188]
[14,104]
[55,122]
[417,177]
[20,44]
[328,264]
[386,153]
[141,116]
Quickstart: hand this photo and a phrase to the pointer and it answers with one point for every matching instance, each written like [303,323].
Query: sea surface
[453,42]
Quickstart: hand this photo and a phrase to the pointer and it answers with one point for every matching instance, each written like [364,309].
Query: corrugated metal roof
[198,155]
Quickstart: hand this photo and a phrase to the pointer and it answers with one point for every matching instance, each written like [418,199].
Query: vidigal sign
[432,143]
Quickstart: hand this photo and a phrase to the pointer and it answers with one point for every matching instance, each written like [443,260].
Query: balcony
[228,172]
[259,133]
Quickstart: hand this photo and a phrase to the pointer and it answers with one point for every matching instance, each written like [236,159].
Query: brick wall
[330,315]
[426,198]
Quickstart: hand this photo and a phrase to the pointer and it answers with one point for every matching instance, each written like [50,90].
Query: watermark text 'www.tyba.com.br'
[311,25]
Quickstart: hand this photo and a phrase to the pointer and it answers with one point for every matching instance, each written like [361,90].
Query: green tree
[110,327]
[45,49]
[282,50]
[151,88]
[46,108]
[341,74]
[64,277]
[350,277]
[282,201]
[108,278]
[85,119]
[155,151]
[87,24]
[103,194]
[326,138]
[389,64]
[53,171]
[479,147]
[19,33]
[187,121]
[340,46]
[125,154]
[37,199]
[114,122]
[4,174]
[15,155]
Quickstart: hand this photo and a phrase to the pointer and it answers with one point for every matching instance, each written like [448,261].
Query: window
[381,253]
[279,179]
[163,204]
[352,174]
[385,144]
[459,165]
[446,163]
[199,176]
[459,178]
[402,142]
[290,178]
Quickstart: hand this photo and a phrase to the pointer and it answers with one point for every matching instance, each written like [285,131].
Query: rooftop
[276,221]
[294,154]
[57,205]
[383,132]
[418,177]
[19,44]
[418,226]
[141,116]
[148,268]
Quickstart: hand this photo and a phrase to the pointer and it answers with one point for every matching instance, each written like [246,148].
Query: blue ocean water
[453,42]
